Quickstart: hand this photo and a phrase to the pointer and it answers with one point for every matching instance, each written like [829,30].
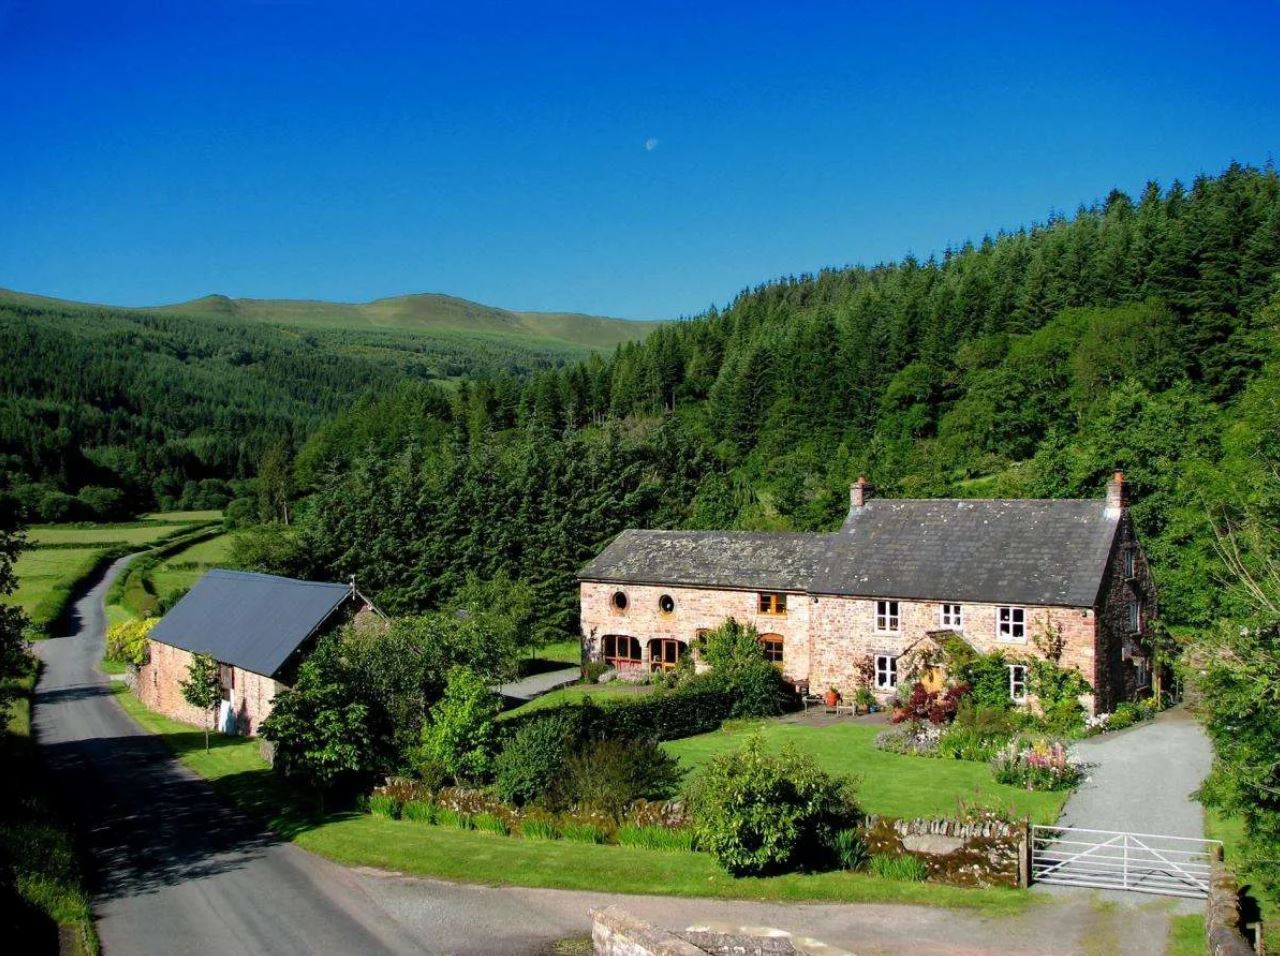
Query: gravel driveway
[1141,780]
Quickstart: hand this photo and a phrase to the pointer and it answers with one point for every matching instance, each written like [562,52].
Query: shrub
[937,707]
[533,759]
[913,740]
[582,832]
[127,641]
[539,828]
[656,838]
[849,849]
[968,743]
[987,676]
[491,824]
[737,662]
[419,811]
[459,737]
[760,813]
[384,805]
[592,671]
[609,775]
[899,866]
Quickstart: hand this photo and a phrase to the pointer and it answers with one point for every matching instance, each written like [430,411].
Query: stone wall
[158,685]
[844,631]
[695,609]
[1224,932]
[981,853]
[1115,678]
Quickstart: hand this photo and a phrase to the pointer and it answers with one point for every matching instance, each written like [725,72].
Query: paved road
[177,872]
[528,688]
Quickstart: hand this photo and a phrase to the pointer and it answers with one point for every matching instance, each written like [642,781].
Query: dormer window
[772,603]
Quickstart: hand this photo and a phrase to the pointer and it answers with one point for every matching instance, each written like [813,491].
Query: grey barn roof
[742,559]
[1002,551]
[254,621]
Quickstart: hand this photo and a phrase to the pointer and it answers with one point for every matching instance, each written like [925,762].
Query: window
[1143,671]
[887,616]
[621,651]
[952,616]
[1011,624]
[620,600]
[666,604]
[665,653]
[1130,562]
[886,671]
[1018,683]
[227,680]
[771,644]
[1133,614]
[772,603]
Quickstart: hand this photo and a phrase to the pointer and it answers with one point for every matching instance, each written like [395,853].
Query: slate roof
[254,621]
[1016,552]
[985,551]
[735,559]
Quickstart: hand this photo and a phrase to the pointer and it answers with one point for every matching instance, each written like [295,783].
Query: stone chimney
[1117,494]
[860,492]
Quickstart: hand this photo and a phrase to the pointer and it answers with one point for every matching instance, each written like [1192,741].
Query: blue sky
[641,162]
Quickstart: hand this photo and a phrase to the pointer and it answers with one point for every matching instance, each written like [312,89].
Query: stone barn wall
[158,685]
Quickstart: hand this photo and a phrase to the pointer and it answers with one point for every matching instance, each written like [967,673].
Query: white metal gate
[1111,860]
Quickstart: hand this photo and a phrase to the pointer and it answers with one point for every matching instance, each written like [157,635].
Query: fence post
[1024,856]
[1125,880]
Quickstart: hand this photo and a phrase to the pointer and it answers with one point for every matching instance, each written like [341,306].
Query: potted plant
[866,700]
[833,697]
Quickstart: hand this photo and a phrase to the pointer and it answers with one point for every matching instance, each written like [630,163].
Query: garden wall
[979,853]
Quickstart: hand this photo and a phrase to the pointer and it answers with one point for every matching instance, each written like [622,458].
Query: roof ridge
[234,572]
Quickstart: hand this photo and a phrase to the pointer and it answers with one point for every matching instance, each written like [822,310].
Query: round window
[620,600]
[666,604]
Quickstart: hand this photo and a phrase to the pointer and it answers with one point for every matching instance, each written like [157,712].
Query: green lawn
[239,773]
[1186,936]
[567,652]
[889,784]
[576,693]
[45,576]
[41,536]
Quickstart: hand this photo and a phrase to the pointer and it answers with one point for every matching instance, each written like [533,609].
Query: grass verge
[237,772]
[43,902]
[576,693]
[1186,936]
[1230,830]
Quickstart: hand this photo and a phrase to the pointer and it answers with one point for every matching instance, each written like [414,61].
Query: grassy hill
[428,312]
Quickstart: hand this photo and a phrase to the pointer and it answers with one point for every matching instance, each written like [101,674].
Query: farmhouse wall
[695,609]
[844,631]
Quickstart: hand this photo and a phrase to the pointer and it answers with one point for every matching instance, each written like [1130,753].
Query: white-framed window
[1133,614]
[1011,624]
[886,671]
[1130,562]
[887,619]
[1018,683]
[952,616]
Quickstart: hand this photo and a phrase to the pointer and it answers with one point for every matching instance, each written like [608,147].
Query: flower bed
[1039,764]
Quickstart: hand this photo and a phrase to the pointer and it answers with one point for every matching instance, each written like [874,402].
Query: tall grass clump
[537,828]
[454,818]
[656,838]
[901,866]
[419,811]
[582,833]
[491,823]
[385,805]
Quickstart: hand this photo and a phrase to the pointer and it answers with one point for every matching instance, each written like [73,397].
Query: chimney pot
[860,492]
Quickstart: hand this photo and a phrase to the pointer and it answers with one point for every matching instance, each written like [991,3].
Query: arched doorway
[621,651]
[665,653]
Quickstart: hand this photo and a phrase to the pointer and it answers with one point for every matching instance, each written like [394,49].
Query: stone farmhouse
[1062,578]
[257,626]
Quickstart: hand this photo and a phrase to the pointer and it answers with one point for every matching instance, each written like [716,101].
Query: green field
[60,556]
[888,784]
[239,773]
[182,569]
